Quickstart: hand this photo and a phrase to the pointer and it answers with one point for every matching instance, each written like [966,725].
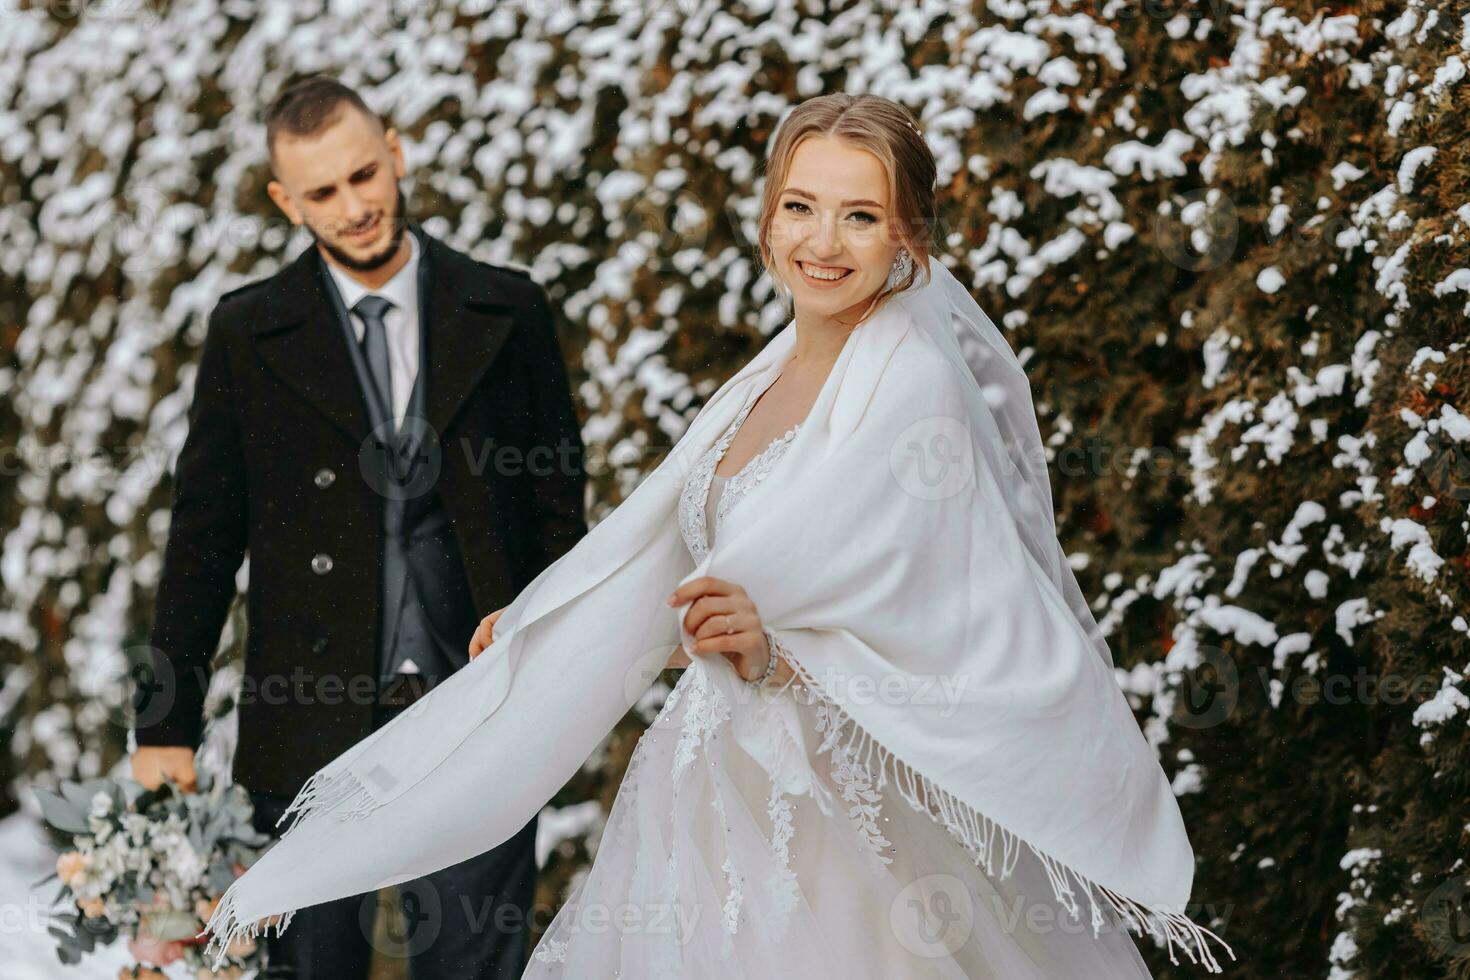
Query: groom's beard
[397,226]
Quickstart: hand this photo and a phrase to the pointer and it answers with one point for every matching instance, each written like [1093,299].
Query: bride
[897,748]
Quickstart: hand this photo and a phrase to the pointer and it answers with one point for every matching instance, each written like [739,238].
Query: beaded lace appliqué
[696,488]
[706,710]
[552,951]
[853,777]
[705,713]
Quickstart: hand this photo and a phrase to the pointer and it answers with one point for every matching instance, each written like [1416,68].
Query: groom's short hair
[308,106]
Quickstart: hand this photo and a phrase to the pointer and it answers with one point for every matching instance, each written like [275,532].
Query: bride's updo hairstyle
[885,129]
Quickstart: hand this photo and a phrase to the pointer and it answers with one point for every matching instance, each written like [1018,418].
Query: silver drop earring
[902,264]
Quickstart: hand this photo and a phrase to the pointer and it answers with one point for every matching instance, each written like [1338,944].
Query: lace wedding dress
[749,838]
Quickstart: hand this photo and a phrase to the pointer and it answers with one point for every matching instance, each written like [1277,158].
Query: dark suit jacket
[271,467]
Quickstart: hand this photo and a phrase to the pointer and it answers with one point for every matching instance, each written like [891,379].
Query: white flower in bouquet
[101,804]
[137,828]
[177,868]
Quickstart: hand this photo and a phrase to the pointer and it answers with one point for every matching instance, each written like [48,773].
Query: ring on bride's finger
[729,626]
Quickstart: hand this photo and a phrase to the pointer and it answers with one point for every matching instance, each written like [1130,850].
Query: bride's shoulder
[918,372]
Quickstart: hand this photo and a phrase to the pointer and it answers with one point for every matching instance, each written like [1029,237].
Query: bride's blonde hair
[885,129]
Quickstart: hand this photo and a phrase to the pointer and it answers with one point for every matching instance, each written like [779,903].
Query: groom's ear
[278,193]
[400,168]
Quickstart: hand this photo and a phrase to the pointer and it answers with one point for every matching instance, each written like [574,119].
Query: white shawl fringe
[322,794]
[224,916]
[996,849]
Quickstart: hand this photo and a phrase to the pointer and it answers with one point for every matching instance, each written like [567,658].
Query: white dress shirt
[401,321]
[402,325]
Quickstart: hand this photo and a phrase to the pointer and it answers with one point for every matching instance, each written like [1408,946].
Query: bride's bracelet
[775,649]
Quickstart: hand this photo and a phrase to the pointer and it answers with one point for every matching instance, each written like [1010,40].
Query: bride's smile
[822,275]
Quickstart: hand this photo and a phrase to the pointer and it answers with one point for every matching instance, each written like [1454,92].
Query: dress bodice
[706,498]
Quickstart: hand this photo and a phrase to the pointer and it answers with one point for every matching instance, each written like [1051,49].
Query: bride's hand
[485,633]
[724,620]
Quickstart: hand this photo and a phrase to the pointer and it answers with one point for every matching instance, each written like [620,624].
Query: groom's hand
[152,762]
[485,633]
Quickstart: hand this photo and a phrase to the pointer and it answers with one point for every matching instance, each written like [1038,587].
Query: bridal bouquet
[152,863]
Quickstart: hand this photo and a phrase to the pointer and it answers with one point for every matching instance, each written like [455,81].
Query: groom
[385,426]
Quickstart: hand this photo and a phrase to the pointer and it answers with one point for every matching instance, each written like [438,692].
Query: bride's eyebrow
[860,202]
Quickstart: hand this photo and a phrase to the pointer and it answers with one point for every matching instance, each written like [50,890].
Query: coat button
[319,645]
[324,478]
[321,564]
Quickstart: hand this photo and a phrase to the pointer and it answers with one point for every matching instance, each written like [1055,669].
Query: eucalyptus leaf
[81,794]
[60,813]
